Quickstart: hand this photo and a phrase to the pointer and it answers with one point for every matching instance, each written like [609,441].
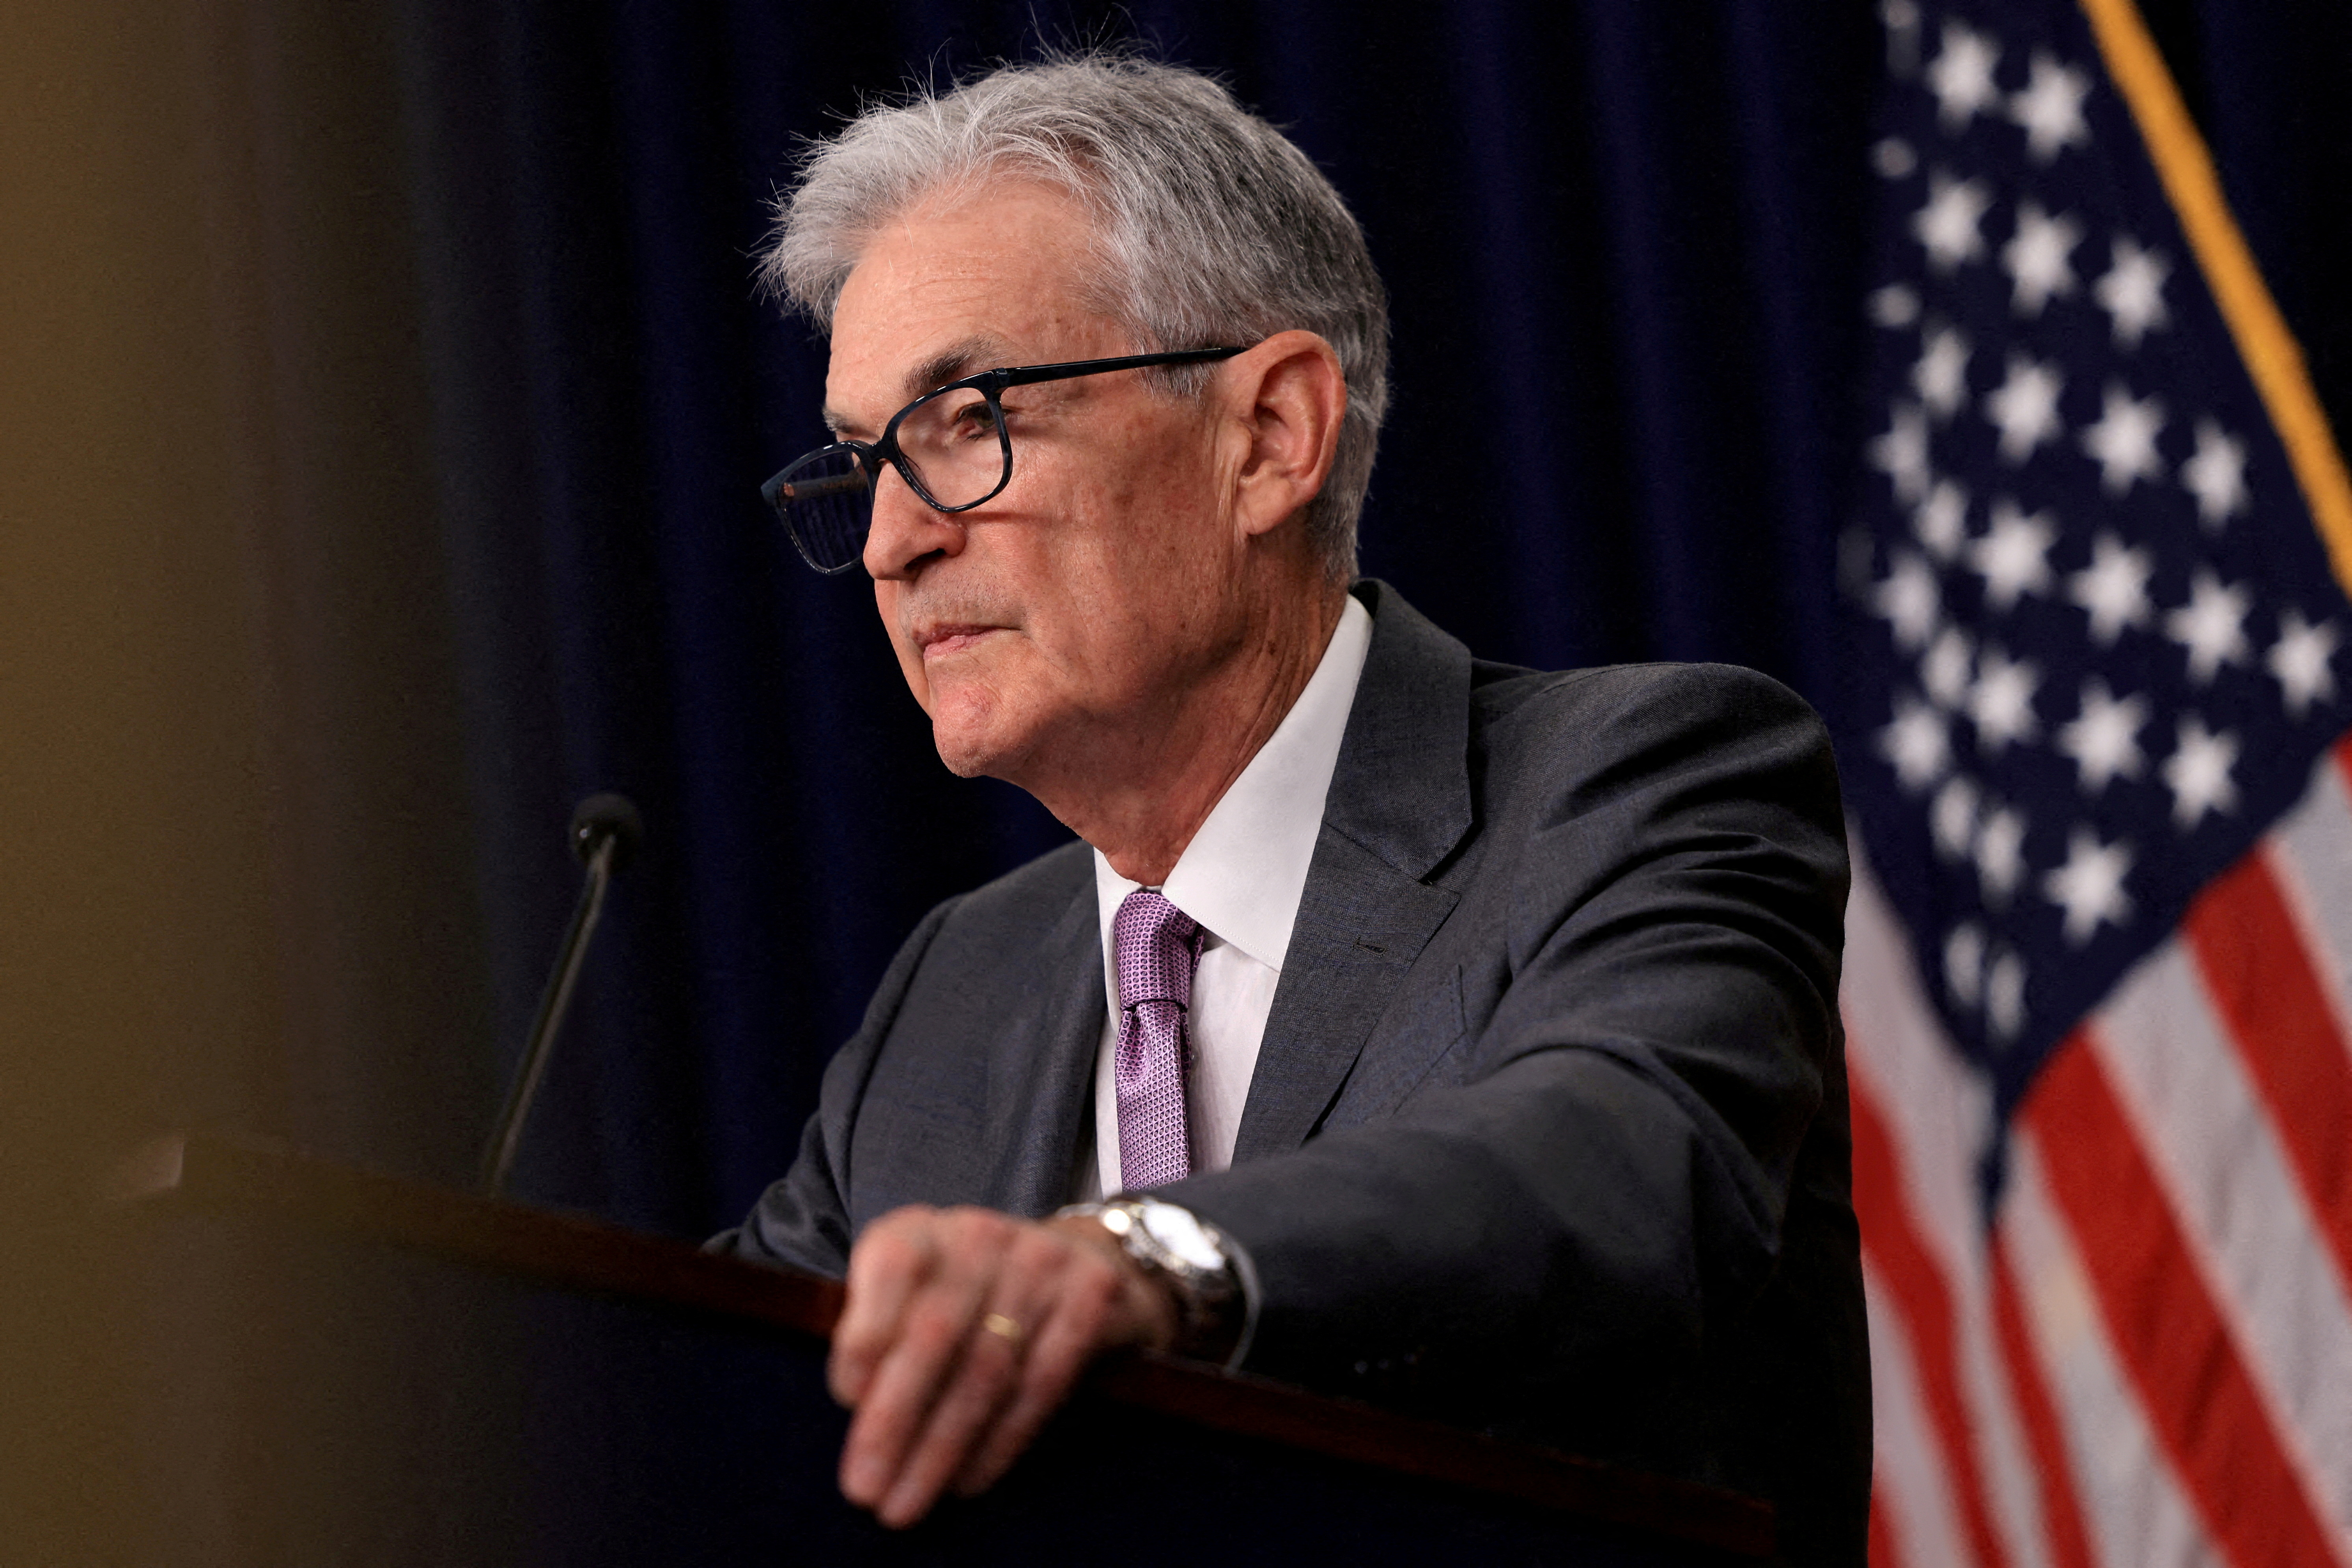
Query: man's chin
[975,750]
[965,762]
[988,728]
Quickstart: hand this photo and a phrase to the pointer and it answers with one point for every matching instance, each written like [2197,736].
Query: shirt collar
[1243,873]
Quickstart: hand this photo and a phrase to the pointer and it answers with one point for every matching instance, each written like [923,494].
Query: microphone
[605,829]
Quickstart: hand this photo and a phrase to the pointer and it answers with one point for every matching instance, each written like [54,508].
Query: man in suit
[1431,1030]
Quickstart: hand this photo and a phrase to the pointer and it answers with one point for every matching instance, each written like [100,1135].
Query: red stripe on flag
[2053,1474]
[1900,1257]
[1882,1536]
[2166,1330]
[2260,975]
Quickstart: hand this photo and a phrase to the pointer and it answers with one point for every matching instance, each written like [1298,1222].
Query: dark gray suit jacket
[1549,1128]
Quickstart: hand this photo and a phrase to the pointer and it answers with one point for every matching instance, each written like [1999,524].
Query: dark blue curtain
[1624,240]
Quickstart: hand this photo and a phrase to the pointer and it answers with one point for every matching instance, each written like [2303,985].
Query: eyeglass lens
[951,446]
[826,502]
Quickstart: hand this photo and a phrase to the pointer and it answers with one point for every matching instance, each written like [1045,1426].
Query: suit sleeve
[803,1220]
[1599,1186]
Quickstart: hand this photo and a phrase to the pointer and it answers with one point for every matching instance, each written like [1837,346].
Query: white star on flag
[2036,258]
[1902,453]
[1915,743]
[2000,854]
[2090,886]
[1941,375]
[1949,667]
[2051,109]
[1964,957]
[1911,601]
[2103,739]
[2211,626]
[2001,704]
[2198,772]
[2123,439]
[2005,996]
[1952,819]
[2113,588]
[1894,306]
[1942,521]
[2301,662]
[2013,557]
[2216,475]
[2131,291]
[1961,76]
[1947,226]
[2025,407]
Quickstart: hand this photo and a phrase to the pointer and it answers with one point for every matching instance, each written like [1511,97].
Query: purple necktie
[1157,945]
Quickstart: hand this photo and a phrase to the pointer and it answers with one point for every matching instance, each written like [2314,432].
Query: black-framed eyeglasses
[952,449]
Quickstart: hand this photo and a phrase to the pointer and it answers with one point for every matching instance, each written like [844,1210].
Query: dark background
[515,394]
[383,398]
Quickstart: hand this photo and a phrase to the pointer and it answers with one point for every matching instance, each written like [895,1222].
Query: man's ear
[1290,396]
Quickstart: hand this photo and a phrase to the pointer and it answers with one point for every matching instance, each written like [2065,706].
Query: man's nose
[907,531]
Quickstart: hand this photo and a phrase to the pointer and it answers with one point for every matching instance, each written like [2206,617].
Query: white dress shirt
[1241,878]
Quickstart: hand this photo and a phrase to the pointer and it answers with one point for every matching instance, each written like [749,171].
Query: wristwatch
[1200,1266]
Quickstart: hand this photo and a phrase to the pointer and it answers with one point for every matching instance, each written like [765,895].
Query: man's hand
[963,1331]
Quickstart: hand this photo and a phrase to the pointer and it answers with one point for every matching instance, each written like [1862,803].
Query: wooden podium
[347,1368]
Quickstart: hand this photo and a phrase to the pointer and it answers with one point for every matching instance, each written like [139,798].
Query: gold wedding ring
[1003,1328]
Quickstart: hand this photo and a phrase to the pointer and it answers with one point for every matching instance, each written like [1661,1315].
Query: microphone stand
[605,829]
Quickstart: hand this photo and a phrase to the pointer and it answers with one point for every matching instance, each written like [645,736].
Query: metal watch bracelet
[1213,1300]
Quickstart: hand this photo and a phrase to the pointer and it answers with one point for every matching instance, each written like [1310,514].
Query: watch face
[1175,1229]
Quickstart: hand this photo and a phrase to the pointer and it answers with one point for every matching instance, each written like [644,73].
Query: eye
[973,420]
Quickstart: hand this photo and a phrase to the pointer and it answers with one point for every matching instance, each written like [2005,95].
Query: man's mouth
[945,640]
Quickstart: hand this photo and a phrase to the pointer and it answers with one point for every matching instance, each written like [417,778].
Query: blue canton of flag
[2100,635]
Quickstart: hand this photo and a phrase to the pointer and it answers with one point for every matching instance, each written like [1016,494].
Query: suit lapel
[1399,801]
[1361,925]
[1041,1068]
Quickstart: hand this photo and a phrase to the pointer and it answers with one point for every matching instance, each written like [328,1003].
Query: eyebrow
[951,363]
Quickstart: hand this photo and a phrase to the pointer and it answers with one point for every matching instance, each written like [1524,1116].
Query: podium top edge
[216,1172]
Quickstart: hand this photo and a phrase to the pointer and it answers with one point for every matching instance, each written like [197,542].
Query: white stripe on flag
[2211,1144]
[1909,1465]
[2311,852]
[1899,1055]
[2133,1505]
[1939,1112]
[2000,1442]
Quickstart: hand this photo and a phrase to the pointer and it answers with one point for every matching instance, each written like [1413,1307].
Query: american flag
[2099,954]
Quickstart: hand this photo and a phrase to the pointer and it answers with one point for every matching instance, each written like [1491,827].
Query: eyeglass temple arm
[1028,375]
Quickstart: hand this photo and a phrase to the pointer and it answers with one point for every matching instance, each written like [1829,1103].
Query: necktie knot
[1157,946]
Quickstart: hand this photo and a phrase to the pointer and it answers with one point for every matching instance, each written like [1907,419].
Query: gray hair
[1212,227]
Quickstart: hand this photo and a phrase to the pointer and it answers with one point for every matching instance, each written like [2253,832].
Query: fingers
[1104,1302]
[1024,1267]
[892,1260]
[941,1396]
[990,1373]
[1061,1344]
[927,1271]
